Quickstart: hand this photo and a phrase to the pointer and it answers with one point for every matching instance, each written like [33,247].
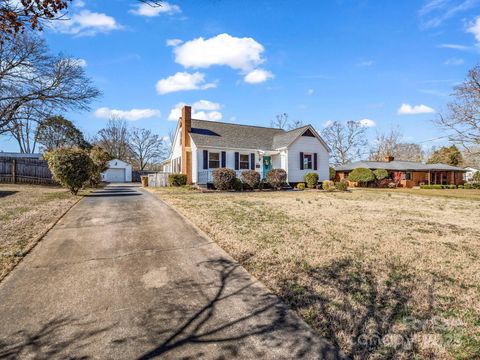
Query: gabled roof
[235,136]
[398,165]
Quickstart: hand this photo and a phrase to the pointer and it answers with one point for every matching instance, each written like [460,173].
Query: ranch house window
[408,175]
[244,161]
[213,160]
[307,161]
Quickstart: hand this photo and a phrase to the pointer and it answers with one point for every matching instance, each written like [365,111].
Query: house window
[307,161]
[408,176]
[213,160]
[244,161]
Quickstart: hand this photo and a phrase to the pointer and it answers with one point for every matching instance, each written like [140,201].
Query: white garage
[118,171]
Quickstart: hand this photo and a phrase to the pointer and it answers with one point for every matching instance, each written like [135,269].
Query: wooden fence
[24,170]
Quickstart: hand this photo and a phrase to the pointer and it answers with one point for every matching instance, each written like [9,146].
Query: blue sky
[393,63]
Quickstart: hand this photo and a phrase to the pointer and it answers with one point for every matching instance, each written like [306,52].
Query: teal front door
[267,165]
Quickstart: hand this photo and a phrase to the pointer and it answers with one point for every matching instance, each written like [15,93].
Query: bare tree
[408,152]
[171,135]
[347,141]
[295,124]
[16,15]
[280,121]
[462,119]
[114,139]
[385,145]
[146,147]
[34,83]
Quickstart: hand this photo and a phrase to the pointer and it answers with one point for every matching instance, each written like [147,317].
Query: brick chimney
[389,158]
[186,124]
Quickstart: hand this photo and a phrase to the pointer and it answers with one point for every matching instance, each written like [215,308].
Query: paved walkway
[122,276]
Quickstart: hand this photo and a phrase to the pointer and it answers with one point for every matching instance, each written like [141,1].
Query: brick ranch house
[201,146]
[409,173]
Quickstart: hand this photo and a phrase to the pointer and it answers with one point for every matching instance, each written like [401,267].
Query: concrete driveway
[123,276]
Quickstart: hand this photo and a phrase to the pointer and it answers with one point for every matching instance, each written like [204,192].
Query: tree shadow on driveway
[232,317]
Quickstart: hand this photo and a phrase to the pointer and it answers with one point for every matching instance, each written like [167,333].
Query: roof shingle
[398,165]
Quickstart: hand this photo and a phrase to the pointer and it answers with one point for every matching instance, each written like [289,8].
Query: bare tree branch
[347,141]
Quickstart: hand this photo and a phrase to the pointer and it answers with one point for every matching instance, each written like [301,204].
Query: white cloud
[174,42]
[144,9]
[244,54]
[407,109]
[78,3]
[87,23]
[365,63]
[454,61]
[474,28]
[310,91]
[80,62]
[203,110]
[367,123]
[183,81]
[454,46]
[257,76]
[130,115]
[435,12]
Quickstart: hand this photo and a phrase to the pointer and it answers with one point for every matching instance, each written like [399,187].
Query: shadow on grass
[360,314]
[6,193]
[225,318]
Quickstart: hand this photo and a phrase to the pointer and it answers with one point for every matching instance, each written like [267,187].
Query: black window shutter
[315,166]
[301,161]
[224,159]
[252,161]
[237,161]
[205,159]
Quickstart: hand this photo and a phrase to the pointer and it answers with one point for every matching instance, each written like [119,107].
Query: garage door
[116,175]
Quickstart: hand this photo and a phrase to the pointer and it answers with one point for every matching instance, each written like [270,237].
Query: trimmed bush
[276,178]
[362,176]
[328,185]
[251,178]
[223,178]
[301,186]
[100,159]
[237,185]
[460,186]
[472,185]
[177,179]
[476,176]
[311,179]
[71,167]
[332,173]
[341,185]
[380,174]
[392,185]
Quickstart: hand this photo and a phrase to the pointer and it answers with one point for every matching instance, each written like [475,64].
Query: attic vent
[308,133]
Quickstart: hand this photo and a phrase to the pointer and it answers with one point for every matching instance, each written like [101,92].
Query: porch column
[429,177]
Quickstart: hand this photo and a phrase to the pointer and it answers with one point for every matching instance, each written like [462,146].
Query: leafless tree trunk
[146,147]
[114,139]
[347,141]
[462,118]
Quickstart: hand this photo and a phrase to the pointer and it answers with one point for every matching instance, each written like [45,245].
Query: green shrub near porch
[362,176]
[177,179]
[311,180]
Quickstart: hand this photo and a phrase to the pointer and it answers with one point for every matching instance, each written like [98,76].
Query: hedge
[311,179]
[177,179]
[361,176]
[276,178]
[223,178]
[251,178]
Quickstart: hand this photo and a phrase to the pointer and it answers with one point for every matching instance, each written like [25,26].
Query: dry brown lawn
[26,211]
[381,274]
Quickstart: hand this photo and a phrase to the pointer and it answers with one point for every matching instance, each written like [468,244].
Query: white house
[201,146]
[118,171]
[470,172]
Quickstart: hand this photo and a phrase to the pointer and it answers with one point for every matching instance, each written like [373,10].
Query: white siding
[306,144]
[230,160]
[112,174]
[194,161]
